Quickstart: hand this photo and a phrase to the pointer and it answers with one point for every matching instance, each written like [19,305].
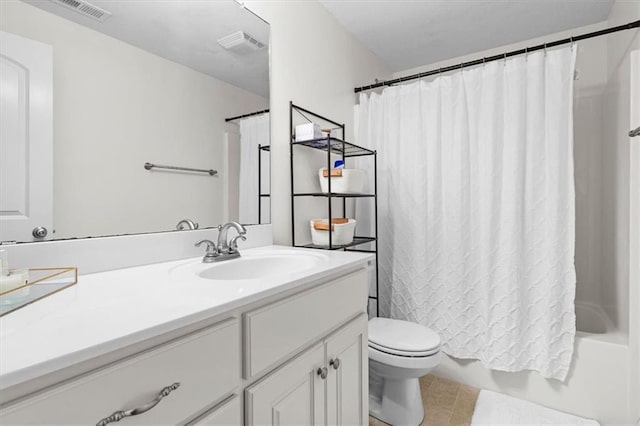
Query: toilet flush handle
[335,363]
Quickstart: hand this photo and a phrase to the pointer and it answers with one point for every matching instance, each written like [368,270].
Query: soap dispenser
[10,280]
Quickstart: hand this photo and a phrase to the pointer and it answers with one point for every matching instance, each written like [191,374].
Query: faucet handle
[212,250]
[211,246]
[233,244]
[189,225]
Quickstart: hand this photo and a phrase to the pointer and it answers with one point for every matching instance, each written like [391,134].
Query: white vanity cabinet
[327,384]
[297,358]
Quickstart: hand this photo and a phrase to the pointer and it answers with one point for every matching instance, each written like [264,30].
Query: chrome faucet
[230,248]
[223,250]
[186,223]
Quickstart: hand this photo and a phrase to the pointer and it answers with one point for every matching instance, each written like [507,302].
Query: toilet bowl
[400,352]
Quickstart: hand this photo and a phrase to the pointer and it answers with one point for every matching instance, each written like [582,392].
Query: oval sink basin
[254,265]
[259,267]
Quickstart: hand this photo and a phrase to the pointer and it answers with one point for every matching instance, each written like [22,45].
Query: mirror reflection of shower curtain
[254,131]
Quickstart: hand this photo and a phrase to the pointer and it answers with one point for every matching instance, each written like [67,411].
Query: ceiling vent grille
[240,42]
[85,8]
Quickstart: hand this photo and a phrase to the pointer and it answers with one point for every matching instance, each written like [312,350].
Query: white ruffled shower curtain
[476,208]
[254,131]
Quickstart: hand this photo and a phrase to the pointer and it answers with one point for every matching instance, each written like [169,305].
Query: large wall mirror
[93,91]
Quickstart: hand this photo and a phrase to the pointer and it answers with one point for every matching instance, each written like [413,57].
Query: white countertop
[107,311]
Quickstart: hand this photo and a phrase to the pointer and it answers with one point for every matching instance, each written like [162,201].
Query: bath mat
[497,409]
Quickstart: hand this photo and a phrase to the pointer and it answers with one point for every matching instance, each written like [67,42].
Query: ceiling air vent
[240,42]
[85,8]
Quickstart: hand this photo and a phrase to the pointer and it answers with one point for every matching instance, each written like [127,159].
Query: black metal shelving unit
[337,147]
[261,196]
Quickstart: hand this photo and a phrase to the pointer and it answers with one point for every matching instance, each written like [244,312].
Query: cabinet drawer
[279,329]
[206,364]
[226,414]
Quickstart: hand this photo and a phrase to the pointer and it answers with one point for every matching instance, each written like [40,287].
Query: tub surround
[109,311]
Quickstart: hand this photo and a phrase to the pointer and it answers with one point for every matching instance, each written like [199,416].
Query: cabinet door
[292,395]
[347,380]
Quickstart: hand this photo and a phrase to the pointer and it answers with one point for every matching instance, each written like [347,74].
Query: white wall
[622,185]
[634,247]
[616,164]
[117,107]
[316,64]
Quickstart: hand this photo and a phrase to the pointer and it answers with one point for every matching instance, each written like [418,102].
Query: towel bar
[150,166]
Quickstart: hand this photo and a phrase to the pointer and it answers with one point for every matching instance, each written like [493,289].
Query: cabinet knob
[335,363]
[119,415]
[322,372]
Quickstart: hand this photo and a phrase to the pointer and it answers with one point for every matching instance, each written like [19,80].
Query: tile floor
[446,403]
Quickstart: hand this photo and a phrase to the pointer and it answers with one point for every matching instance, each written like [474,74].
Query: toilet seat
[402,338]
[408,362]
[410,354]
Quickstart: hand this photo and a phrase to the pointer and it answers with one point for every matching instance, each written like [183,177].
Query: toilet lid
[402,337]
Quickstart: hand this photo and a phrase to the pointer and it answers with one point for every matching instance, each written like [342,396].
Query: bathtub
[593,323]
[592,319]
[597,384]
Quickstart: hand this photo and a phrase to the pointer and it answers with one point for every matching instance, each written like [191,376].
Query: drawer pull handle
[335,363]
[322,372]
[119,415]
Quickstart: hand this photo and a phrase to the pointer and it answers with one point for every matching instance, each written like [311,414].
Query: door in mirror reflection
[26,190]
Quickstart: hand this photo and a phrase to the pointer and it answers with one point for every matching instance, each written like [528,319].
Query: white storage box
[351,181]
[341,234]
[308,131]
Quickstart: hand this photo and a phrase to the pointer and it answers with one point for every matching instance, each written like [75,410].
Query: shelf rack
[261,196]
[339,147]
[335,145]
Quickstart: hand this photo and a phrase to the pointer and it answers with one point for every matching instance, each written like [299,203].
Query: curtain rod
[264,111]
[628,26]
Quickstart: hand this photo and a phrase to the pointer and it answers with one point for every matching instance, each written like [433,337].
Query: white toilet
[400,352]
